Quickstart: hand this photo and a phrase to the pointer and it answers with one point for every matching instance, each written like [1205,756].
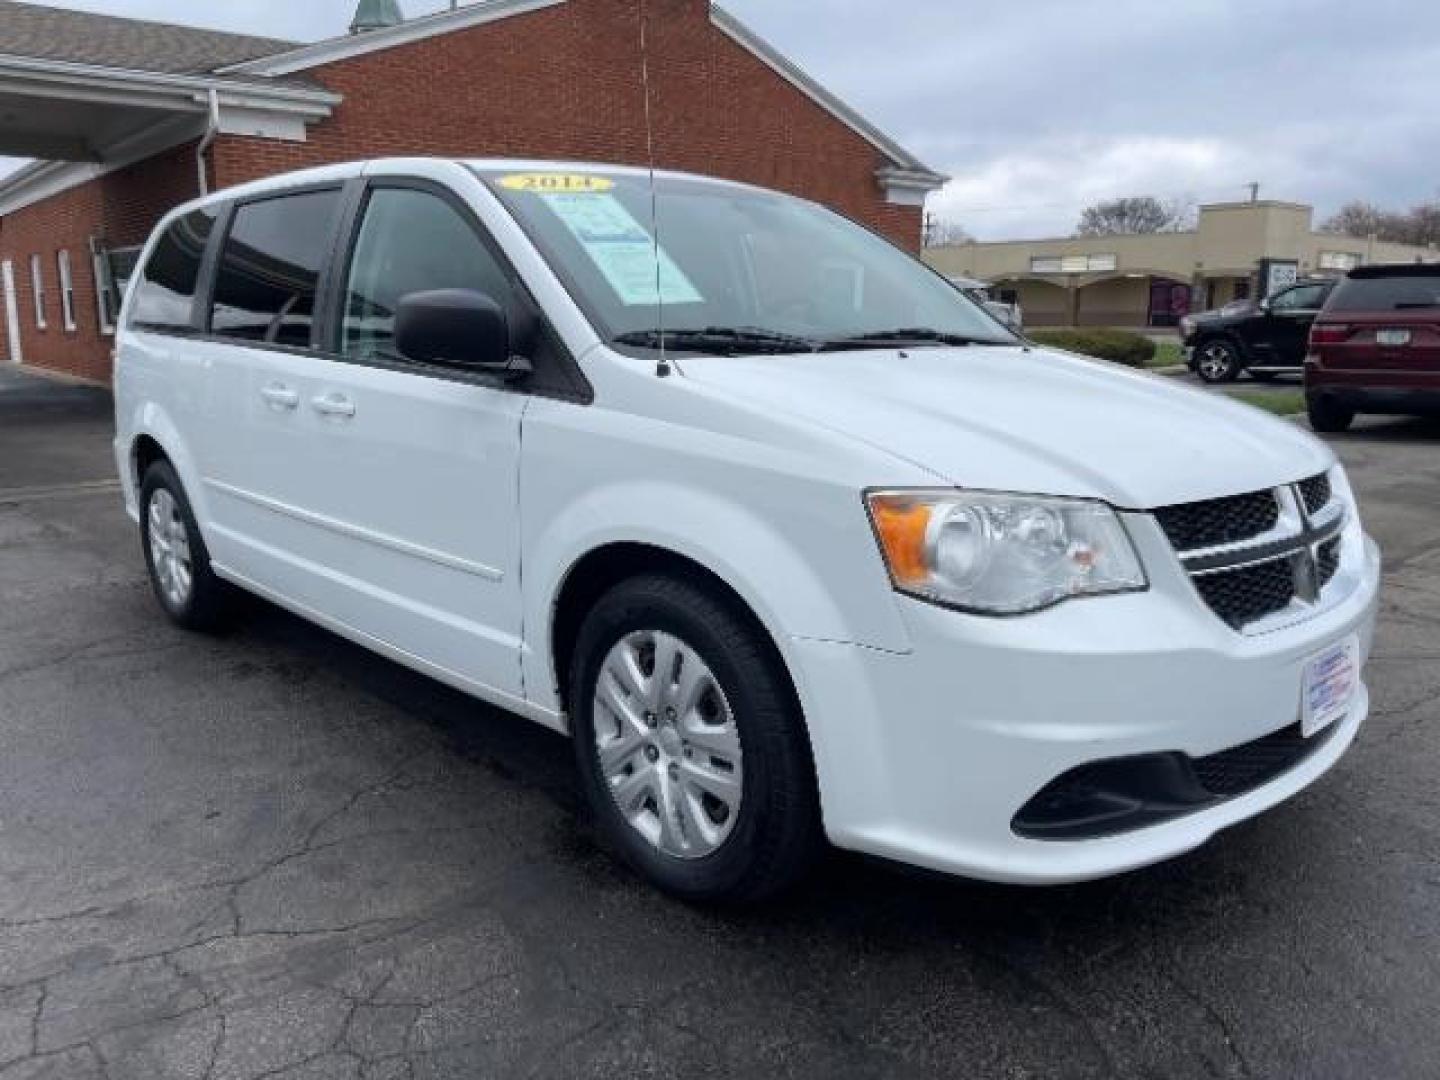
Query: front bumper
[927,757]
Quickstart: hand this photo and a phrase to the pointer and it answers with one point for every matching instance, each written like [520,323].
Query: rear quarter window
[1397,293]
[165,292]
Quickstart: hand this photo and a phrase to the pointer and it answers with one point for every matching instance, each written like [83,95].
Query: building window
[37,286]
[67,292]
[1343,261]
[1073,264]
[104,291]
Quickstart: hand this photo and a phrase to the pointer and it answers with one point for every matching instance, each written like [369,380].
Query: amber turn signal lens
[902,524]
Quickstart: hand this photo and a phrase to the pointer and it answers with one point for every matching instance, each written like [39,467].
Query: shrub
[1118,346]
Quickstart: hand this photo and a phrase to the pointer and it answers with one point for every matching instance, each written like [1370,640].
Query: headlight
[1002,554]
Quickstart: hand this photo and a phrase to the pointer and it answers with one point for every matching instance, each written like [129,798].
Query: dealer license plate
[1392,337]
[1331,679]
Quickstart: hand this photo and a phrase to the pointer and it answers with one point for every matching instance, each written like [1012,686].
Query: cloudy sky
[1039,107]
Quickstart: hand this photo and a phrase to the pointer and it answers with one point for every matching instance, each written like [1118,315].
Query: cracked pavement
[273,854]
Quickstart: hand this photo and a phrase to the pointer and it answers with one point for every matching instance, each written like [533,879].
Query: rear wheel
[691,747]
[1217,361]
[176,556]
[1328,415]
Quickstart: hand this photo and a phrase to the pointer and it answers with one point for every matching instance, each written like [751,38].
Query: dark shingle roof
[80,37]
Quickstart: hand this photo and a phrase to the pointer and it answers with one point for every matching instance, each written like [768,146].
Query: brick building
[126,118]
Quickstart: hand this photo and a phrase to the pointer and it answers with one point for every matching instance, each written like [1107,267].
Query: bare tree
[1133,215]
[941,231]
[1425,223]
[1363,219]
[1419,225]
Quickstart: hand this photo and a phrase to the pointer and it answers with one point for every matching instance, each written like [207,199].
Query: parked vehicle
[793,539]
[1009,314]
[1376,346]
[1265,339]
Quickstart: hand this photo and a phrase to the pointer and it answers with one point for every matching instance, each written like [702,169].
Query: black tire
[776,834]
[1218,360]
[208,601]
[1327,415]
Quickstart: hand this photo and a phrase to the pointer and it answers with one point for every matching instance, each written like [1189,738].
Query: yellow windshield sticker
[557,183]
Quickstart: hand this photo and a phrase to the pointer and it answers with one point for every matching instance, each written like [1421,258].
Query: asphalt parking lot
[275,855]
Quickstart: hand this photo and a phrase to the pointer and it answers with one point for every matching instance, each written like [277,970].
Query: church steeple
[376,15]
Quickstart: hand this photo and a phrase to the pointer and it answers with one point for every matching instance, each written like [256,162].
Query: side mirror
[459,328]
[1265,305]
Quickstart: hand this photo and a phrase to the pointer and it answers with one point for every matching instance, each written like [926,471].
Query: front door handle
[280,397]
[334,405]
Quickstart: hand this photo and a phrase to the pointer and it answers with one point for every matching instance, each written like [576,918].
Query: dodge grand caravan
[794,540]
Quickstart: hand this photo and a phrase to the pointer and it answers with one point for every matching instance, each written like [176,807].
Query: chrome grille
[1257,555]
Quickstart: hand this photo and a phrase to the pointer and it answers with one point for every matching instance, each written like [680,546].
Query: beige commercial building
[1236,250]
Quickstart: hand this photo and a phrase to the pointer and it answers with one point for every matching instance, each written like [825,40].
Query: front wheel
[1327,415]
[691,747]
[1217,361]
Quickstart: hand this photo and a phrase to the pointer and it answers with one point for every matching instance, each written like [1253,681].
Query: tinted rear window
[165,294]
[270,268]
[1399,293]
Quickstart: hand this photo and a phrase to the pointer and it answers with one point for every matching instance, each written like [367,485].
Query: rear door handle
[280,397]
[334,405]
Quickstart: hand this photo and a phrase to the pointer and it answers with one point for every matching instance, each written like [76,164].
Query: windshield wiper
[907,335]
[724,340]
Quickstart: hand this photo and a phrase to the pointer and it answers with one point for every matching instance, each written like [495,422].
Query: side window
[1305,298]
[165,292]
[269,270]
[410,241]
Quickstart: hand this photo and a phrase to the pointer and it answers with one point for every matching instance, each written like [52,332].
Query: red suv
[1376,346]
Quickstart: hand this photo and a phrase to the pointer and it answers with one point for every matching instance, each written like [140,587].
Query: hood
[1236,309]
[1030,420]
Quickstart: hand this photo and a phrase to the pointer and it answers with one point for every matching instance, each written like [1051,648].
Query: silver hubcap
[170,549]
[1214,361]
[668,745]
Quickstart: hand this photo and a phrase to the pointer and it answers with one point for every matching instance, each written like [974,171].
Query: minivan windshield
[740,270]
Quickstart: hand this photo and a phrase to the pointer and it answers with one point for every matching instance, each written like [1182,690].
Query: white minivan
[794,540]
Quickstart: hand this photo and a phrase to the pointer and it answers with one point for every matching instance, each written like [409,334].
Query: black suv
[1264,339]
